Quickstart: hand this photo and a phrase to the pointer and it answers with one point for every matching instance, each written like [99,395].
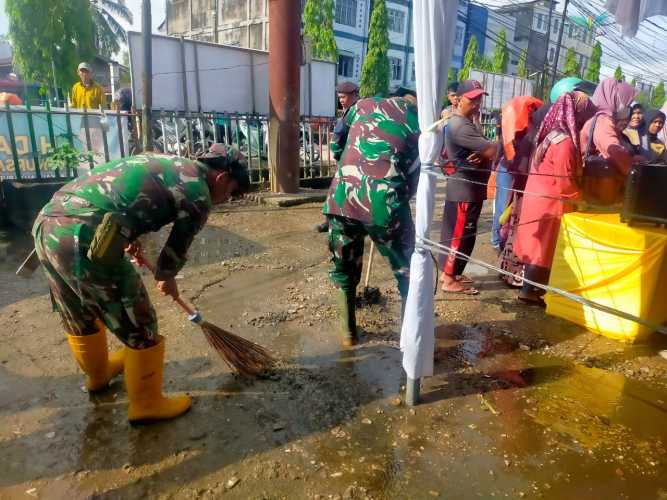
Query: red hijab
[516,118]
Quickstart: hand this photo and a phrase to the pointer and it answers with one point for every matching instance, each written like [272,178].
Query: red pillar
[284,73]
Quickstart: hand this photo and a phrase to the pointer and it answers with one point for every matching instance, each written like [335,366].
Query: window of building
[552,54]
[556,25]
[395,20]
[345,66]
[571,30]
[396,68]
[540,22]
[414,74]
[459,35]
[346,12]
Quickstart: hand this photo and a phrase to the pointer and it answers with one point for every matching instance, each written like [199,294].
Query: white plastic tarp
[629,13]
[434,28]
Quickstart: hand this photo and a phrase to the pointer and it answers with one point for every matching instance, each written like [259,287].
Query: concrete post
[284,96]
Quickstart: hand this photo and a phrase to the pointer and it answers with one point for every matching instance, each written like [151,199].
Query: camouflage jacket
[372,177]
[149,191]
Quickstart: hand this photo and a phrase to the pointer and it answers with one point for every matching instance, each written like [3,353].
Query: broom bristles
[241,355]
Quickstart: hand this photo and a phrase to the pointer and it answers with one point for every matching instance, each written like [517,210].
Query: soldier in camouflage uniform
[148,192]
[370,195]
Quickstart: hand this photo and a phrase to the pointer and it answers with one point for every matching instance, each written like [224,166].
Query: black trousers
[459,232]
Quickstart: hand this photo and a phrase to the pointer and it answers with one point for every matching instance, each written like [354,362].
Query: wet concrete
[521,405]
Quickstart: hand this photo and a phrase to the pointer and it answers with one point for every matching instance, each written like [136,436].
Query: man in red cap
[348,95]
[471,155]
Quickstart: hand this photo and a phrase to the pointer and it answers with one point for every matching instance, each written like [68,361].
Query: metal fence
[29,137]
[188,134]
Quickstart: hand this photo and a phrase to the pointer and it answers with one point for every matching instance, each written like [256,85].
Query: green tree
[618,74]
[109,34]
[522,66]
[659,96]
[501,55]
[634,82]
[484,64]
[470,59]
[643,99]
[571,64]
[375,71]
[62,33]
[593,72]
[318,26]
[451,75]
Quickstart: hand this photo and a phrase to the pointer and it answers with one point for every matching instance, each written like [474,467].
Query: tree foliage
[572,67]
[618,74]
[643,99]
[375,71]
[470,59]
[659,95]
[451,75]
[109,34]
[593,72]
[522,66]
[501,55]
[42,33]
[485,64]
[318,18]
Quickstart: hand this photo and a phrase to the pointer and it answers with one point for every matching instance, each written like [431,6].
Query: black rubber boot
[347,326]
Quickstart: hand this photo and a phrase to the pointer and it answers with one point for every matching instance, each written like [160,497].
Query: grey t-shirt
[462,139]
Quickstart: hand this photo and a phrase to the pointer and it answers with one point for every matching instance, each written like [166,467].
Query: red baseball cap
[471,89]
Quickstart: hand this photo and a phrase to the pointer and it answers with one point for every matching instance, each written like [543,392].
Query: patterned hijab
[562,117]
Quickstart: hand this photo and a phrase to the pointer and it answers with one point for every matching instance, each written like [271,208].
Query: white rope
[441,249]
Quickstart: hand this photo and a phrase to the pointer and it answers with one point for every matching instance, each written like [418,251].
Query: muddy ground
[522,405]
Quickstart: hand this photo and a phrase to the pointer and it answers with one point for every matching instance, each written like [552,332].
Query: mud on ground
[522,405]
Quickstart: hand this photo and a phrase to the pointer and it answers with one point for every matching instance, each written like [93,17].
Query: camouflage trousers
[83,291]
[346,244]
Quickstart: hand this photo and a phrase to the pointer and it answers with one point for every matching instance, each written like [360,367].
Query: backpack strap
[589,145]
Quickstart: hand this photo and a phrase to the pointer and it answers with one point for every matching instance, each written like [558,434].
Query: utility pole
[545,76]
[147,76]
[560,41]
[284,94]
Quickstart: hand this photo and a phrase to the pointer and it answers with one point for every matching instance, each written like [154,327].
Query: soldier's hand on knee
[168,287]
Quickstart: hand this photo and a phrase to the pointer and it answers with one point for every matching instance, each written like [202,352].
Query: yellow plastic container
[608,262]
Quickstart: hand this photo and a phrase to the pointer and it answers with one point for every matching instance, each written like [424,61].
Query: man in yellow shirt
[87,93]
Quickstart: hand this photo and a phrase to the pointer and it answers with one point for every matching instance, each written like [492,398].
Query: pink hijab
[612,95]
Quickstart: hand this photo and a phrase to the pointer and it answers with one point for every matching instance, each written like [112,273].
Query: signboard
[43,142]
[501,88]
[196,76]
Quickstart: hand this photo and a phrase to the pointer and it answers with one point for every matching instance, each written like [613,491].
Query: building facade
[531,28]
[245,23]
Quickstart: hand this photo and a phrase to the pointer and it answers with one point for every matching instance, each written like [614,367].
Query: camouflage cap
[221,150]
[347,88]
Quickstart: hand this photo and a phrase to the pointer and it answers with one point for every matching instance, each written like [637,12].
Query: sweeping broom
[242,356]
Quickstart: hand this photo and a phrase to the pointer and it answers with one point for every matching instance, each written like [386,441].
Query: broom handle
[370,265]
[184,305]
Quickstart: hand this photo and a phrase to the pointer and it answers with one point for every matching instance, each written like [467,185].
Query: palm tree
[108,31]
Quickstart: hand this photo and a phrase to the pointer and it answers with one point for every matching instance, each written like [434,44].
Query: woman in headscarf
[520,126]
[612,100]
[636,128]
[651,147]
[551,190]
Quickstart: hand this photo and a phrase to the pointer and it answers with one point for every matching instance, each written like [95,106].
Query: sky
[643,56]
[157,11]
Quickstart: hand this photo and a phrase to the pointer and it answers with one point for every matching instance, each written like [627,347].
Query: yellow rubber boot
[92,355]
[143,379]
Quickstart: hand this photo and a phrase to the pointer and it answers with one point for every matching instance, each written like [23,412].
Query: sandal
[464,279]
[468,290]
[533,301]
